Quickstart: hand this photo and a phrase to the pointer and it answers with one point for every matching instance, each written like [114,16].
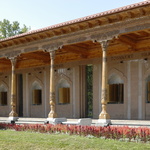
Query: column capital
[52,54]
[105,44]
[13,54]
[13,60]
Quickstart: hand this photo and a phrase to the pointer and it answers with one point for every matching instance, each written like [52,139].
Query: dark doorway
[20,95]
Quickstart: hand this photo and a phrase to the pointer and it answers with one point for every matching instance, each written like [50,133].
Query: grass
[13,140]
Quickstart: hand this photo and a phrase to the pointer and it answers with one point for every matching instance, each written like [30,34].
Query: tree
[8,29]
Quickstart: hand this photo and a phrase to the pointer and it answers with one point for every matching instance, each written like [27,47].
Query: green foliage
[8,29]
[89,90]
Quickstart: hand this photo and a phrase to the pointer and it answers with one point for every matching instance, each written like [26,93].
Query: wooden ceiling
[124,44]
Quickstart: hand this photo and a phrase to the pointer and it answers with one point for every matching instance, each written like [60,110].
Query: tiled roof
[117,10]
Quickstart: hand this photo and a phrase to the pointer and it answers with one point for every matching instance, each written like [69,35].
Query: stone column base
[103,122]
[55,120]
[12,119]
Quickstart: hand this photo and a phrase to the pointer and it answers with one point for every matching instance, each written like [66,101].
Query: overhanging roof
[70,26]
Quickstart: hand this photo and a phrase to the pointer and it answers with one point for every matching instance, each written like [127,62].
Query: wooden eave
[109,17]
[125,43]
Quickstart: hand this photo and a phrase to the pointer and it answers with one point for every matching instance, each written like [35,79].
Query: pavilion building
[97,66]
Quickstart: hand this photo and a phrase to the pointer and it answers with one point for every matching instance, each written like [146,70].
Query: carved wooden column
[52,116]
[13,114]
[104,116]
[52,113]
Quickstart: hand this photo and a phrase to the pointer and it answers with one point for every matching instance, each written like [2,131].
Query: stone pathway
[132,123]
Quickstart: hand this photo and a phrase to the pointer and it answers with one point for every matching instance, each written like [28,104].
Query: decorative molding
[5,84]
[12,54]
[30,49]
[52,47]
[63,72]
[117,72]
[121,57]
[61,77]
[105,36]
[36,79]
[133,56]
[76,40]
[39,69]
[99,33]
[137,27]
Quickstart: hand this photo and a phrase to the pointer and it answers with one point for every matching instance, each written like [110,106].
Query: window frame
[118,98]
[148,92]
[63,95]
[36,101]
[2,101]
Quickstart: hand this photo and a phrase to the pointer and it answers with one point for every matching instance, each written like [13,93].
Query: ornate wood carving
[13,112]
[12,54]
[104,92]
[52,113]
[52,47]
[105,36]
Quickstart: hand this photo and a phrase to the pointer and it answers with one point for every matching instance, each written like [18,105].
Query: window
[63,92]
[36,93]
[116,93]
[148,92]
[3,95]
[3,98]
[116,90]
[64,95]
[37,97]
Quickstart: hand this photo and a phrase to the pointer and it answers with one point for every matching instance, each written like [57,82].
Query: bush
[124,133]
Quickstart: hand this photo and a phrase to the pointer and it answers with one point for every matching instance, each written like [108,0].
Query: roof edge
[78,20]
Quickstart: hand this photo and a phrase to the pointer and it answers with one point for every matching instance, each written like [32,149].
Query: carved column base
[104,119]
[13,114]
[13,118]
[104,115]
[52,115]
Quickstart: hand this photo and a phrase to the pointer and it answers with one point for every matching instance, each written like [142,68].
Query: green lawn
[13,140]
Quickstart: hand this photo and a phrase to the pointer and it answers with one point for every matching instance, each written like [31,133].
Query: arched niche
[3,88]
[3,95]
[115,79]
[36,93]
[36,85]
[63,83]
[117,75]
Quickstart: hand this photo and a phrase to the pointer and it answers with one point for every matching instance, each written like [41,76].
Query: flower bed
[124,133]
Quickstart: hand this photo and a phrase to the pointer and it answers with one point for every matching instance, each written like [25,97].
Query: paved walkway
[135,123]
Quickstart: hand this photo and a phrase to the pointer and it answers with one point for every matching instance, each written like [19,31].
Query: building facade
[97,66]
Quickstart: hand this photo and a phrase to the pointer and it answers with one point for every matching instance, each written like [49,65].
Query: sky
[43,13]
